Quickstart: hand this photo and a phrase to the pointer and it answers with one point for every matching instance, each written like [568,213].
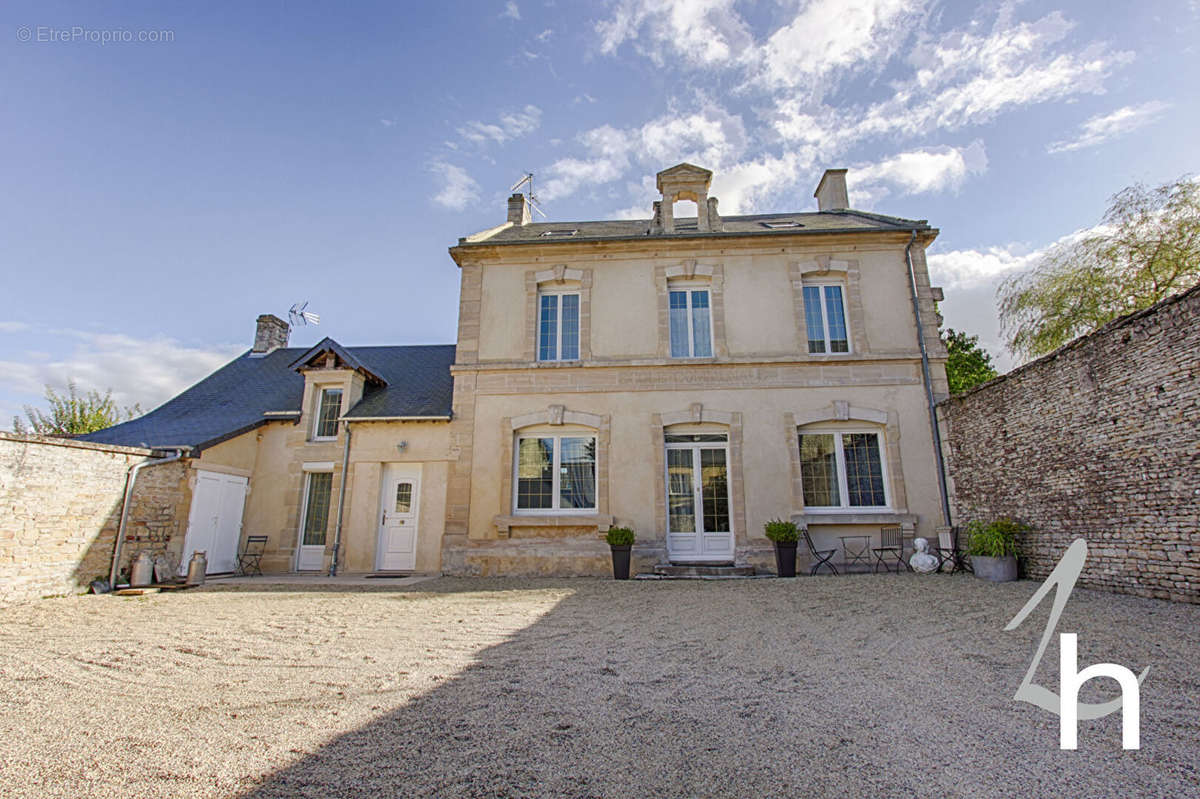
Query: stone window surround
[690,270]
[843,411]
[825,269]
[555,278]
[553,416]
[698,414]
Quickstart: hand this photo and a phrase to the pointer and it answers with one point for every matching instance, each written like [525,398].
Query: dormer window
[328,411]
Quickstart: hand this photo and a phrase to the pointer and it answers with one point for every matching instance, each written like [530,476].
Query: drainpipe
[130,478]
[337,531]
[933,424]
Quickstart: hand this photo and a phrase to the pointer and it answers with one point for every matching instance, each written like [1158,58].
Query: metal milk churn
[197,566]
[141,574]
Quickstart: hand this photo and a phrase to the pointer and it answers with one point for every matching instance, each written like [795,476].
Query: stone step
[702,570]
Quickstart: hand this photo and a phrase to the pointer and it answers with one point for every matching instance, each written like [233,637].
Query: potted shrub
[784,535]
[993,548]
[620,540]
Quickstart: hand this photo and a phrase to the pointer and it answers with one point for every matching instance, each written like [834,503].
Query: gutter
[928,382]
[337,532]
[130,478]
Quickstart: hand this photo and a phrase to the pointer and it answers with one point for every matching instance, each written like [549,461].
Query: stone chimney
[271,334]
[831,191]
[518,209]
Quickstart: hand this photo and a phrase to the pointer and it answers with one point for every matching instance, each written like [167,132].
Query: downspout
[337,531]
[130,478]
[928,381]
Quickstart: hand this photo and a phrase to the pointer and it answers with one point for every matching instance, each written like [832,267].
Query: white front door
[698,528]
[314,521]
[400,501]
[215,521]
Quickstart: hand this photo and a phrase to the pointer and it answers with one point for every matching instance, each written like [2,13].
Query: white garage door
[215,521]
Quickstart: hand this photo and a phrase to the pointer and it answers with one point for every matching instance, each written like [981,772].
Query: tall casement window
[558,326]
[318,490]
[328,410]
[555,473]
[825,319]
[691,322]
[843,470]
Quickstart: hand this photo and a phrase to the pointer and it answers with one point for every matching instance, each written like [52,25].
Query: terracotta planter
[785,558]
[620,556]
[996,570]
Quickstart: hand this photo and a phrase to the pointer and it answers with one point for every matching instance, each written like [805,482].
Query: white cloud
[1103,127]
[511,125]
[458,188]
[510,11]
[147,372]
[699,32]
[967,269]
[13,327]
[835,35]
[918,171]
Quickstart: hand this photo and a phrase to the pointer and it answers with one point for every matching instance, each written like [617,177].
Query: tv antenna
[301,317]
[531,198]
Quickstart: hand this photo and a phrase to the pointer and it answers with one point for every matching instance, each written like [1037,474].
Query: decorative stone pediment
[685,182]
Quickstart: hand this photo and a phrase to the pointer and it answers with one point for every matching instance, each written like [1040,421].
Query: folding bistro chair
[948,550]
[891,546]
[250,561]
[820,557]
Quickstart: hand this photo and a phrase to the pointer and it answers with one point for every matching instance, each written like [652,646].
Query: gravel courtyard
[859,686]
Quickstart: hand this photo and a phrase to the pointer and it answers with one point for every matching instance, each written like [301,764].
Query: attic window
[557,233]
[783,224]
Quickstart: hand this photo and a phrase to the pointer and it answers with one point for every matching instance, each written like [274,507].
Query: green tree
[969,364]
[1146,249]
[73,414]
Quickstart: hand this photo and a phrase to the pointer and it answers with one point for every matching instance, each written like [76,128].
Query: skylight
[786,223]
[558,233]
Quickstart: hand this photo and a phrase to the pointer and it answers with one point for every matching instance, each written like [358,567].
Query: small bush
[994,539]
[781,532]
[619,536]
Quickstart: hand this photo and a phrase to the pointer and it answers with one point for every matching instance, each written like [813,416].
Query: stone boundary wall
[60,505]
[1098,440]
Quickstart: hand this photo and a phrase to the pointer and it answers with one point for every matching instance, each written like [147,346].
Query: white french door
[698,524]
[400,498]
[314,522]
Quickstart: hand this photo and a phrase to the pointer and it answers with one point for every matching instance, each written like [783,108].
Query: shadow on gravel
[869,687]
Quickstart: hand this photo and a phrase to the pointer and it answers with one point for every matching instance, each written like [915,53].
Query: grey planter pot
[997,570]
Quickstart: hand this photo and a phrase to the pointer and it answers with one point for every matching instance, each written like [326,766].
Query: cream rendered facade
[721,415]
[760,388]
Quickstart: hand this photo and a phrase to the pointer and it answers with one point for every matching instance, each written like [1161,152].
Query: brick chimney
[270,335]
[831,191]
[518,209]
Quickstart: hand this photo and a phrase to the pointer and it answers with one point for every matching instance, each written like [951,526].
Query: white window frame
[308,470]
[319,391]
[558,326]
[843,483]
[687,287]
[821,284]
[557,475]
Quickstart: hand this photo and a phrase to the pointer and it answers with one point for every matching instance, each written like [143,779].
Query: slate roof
[848,221]
[234,399]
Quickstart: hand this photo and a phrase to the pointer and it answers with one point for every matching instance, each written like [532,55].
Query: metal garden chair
[891,546]
[250,561]
[820,557]
[948,550]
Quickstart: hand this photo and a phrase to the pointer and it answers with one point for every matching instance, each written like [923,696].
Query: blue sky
[231,159]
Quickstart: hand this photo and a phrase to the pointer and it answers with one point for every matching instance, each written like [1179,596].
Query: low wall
[60,504]
[1099,440]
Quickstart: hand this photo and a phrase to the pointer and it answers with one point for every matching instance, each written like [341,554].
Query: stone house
[690,377]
